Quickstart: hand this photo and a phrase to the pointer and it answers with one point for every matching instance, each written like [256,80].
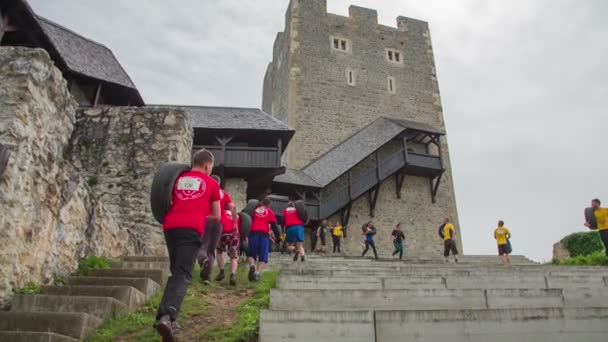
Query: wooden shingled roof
[85,56]
[75,54]
[337,161]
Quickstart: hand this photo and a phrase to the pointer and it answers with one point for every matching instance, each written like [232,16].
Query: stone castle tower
[332,79]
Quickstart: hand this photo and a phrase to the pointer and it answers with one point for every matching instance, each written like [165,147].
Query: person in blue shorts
[295,231]
[260,235]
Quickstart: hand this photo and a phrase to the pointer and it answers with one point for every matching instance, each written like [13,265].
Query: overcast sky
[523,84]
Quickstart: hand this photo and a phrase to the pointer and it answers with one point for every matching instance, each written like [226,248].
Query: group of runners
[203,223]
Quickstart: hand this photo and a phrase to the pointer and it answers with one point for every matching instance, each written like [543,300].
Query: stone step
[158,276]
[534,281]
[305,326]
[145,265]
[128,295]
[145,285]
[503,325]
[150,258]
[538,325]
[75,325]
[32,336]
[434,299]
[354,272]
[102,307]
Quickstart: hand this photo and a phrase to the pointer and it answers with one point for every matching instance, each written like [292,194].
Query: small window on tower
[394,56]
[391,86]
[351,78]
[340,44]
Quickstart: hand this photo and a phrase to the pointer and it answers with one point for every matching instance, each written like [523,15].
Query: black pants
[604,238]
[182,244]
[368,244]
[322,238]
[449,245]
[336,241]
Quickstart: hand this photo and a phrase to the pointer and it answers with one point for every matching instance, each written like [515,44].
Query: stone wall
[324,110]
[48,216]
[560,252]
[237,188]
[118,150]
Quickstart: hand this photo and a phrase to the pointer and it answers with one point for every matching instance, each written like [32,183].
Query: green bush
[30,288]
[594,259]
[92,262]
[583,243]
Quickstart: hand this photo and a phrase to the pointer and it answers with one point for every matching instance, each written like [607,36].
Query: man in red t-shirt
[229,242]
[195,206]
[211,240]
[262,221]
[295,231]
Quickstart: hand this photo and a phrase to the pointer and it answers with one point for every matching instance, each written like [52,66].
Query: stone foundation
[118,150]
[48,216]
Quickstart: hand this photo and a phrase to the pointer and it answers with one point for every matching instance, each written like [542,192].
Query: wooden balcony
[400,162]
[245,156]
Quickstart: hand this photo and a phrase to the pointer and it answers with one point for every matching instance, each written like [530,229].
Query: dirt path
[222,305]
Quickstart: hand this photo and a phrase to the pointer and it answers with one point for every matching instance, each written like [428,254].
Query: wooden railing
[244,156]
[422,164]
[370,178]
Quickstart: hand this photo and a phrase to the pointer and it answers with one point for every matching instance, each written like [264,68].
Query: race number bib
[189,188]
[189,184]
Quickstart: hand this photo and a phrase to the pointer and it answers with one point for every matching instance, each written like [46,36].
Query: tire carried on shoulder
[161,194]
[245,224]
[301,208]
[250,207]
[590,218]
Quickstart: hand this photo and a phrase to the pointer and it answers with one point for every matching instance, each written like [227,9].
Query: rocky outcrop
[560,252]
[49,217]
[118,150]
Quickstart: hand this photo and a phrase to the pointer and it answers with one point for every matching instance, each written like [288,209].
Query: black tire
[250,207]
[301,208]
[161,194]
[590,218]
[245,224]
[5,154]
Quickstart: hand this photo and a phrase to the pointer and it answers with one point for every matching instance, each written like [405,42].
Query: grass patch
[30,288]
[137,326]
[594,259]
[92,262]
[247,324]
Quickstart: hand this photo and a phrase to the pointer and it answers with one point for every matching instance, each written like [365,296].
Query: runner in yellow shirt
[601,218]
[502,234]
[449,240]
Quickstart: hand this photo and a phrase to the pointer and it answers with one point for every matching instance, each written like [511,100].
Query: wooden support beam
[405,149]
[301,193]
[316,195]
[223,142]
[377,166]
[345,214]
[434,182]
[350,185]
[399,180]
[372,199]
[97,95]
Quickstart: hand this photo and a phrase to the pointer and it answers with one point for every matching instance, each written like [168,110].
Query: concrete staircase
[70,312]
[425,299]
